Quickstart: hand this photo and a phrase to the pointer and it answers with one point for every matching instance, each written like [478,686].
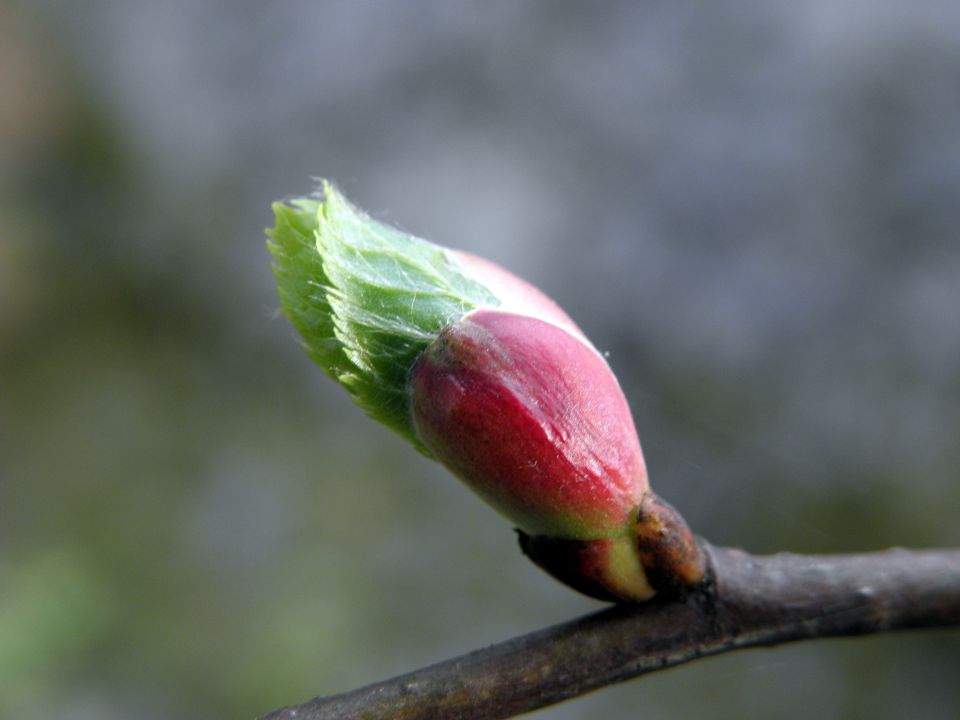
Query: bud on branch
[487,375]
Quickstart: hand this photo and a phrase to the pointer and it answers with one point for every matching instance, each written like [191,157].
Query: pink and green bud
[489,376]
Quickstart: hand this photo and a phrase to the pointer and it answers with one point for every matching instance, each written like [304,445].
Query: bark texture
[750,601]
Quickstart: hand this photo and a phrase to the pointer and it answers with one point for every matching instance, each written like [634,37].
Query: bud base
[657,554]
[671,556]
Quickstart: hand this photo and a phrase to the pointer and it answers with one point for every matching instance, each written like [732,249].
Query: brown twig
[751,601]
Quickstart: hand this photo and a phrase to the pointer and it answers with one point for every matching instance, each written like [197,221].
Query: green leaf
[366,298]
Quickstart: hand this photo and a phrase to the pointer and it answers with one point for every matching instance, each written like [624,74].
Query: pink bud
[531,417]
[534,421]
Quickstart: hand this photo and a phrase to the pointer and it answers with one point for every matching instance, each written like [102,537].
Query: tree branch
[750,601]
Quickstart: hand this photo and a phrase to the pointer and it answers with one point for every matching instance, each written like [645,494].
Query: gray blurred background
[752,206]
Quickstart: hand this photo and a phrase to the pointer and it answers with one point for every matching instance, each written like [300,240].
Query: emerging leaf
[366,298]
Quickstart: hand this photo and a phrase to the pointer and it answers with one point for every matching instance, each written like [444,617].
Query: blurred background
[752,206]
